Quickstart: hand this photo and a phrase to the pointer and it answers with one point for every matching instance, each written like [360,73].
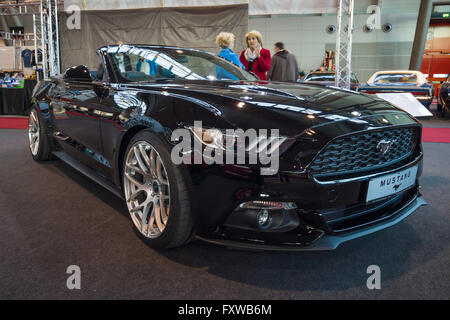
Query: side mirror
[101,89]
[78,73]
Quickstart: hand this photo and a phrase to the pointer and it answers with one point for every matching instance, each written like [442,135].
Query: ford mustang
[348,163]
[406,81]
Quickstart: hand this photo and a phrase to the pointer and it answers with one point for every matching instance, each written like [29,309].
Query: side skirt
[89,173]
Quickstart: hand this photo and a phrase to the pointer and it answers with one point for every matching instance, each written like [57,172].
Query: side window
[157,66]
[135,68]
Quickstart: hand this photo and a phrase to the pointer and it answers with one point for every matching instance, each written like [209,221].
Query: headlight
[213,138]
[230,140]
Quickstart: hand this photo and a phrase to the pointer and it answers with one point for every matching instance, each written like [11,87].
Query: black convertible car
[348,162]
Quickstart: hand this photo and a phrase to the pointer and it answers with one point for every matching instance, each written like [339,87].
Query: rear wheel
[156,193]
[38,139]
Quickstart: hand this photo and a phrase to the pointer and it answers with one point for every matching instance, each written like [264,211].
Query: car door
[75,106]
[122,107]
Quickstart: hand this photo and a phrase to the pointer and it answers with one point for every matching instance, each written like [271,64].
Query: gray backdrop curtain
[185,27]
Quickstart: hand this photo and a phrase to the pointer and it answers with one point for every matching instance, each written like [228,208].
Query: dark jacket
[284,67]
[260,65]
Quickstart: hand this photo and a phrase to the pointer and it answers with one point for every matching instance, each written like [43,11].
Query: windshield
[134,64]
[396,78]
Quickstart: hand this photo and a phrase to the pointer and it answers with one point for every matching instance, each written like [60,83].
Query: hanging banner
[256,7]
[264,7]
[202,3]
[101,5]
[164,26]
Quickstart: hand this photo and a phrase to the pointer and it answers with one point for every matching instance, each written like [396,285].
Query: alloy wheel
[33,132]
[147,190]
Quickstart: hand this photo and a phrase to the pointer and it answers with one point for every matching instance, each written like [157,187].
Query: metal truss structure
[50,37]
[45,32]
[343,56]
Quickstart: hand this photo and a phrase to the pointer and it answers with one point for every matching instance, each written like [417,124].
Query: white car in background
[392,81]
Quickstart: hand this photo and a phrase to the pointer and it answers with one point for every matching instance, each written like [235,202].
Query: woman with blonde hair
[225,40]
[255,58]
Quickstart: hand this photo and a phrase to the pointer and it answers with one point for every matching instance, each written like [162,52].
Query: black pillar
[423,22]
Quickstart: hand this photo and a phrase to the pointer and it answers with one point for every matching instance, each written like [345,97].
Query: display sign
[407,102]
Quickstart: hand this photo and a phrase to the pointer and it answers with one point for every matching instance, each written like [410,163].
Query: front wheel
[156,193]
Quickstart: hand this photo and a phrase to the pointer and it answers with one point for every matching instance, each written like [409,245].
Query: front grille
[361,152]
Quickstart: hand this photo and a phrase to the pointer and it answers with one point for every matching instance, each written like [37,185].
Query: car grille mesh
[360,152]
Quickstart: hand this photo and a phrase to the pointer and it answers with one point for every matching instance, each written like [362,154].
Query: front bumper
[329,242]
[328,213]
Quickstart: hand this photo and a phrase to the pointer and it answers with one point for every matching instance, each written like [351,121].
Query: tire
[156,193]
[38,139]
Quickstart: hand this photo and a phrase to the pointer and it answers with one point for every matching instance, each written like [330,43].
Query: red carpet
[436,135]
[13,123]
[429,134]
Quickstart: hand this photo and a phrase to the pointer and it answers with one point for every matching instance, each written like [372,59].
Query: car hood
[290,107]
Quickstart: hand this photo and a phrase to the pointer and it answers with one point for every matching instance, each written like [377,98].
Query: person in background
[255,58]
[225,41]
[284,65]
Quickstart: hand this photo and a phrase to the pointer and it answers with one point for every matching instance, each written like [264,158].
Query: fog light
[268,205]
[264,218]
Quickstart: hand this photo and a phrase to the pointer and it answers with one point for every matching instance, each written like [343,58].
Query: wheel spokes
[138,156]
[158,218]
[145,157]
[33,132]
[134,195]
[153,157]
[133,180]
[147,189]
[164,215]
[33,116]
[145,216]
[134,168]
[159,173]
